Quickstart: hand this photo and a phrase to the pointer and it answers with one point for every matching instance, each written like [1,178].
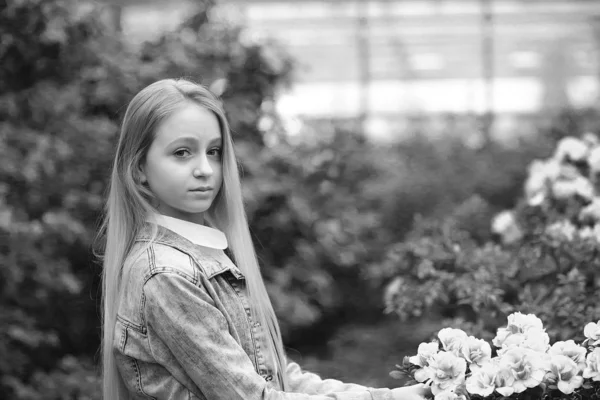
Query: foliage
[542,257]
[520,365]
[315,225]
[430,177]
[322,211]
[214,51]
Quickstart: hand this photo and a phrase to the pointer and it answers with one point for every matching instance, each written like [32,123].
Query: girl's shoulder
[169,252]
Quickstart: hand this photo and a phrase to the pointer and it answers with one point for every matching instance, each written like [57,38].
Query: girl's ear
[141,174]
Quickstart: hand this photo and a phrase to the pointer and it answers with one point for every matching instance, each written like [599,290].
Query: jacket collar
[205,249]
[201,235]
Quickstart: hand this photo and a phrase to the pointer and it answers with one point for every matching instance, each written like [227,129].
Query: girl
[185,311]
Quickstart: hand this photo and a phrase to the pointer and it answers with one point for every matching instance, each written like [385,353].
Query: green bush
[541,257]
[322,211]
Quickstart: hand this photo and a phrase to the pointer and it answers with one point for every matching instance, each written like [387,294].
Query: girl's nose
[203,168]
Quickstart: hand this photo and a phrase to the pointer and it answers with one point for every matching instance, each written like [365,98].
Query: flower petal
[505,391]
[565,387]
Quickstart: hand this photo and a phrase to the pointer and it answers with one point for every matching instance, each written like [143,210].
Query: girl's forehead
[190,121]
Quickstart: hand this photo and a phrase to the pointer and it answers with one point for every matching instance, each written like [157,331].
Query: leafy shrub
[542,257]
[430,177]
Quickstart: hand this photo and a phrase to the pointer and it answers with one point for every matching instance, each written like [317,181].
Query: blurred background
[407,165]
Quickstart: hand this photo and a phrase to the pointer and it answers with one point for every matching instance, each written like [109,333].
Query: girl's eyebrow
[184,139]
[193,140]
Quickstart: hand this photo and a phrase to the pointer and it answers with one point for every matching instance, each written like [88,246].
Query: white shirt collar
[201,235]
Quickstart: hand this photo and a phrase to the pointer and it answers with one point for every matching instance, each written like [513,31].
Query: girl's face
[183,166]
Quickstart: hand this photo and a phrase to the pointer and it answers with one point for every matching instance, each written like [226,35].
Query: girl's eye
[181,153]
[216,151]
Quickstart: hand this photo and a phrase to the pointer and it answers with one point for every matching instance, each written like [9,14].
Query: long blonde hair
[129,203]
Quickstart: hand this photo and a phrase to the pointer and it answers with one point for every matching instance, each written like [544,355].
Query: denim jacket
[185,331]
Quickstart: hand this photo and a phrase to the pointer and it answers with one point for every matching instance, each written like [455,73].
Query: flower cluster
[458,366]
[572,173]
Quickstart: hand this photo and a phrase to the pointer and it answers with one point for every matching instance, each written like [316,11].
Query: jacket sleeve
[311,383]
[182,315]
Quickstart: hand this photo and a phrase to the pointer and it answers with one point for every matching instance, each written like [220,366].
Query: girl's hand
[414,392]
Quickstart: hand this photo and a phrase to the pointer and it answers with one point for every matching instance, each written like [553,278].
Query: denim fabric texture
[185,331]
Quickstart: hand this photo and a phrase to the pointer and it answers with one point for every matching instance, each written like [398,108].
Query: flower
[538,176]
[446,371]
[505,224]
[460,367]
[504,379]
[571,149]
[522,331]
[526,366]
[562,230]
[591,212]
[565,189]
[424,354]
[482,380]
[564,374]
[536,199]
[590,138]
[536,340]
[524,322]
[592,332]
[592,365]
[508,341]
[450,395]
[594,160]
[453,340]
[567,172]
[476,351]
[570,349]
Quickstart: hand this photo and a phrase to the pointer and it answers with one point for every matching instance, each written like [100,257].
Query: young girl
[185,311]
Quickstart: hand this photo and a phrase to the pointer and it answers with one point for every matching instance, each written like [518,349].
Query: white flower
[453,340]
[533,339]
[392,291]
[571,149]
[482,380]
[522,330]
[450,395]
[508,340]
[537,199]
[591,212]
[592,365]
[592,332]
[570,349]
[505,224]
[477,352]
[561,230]
[594,160]
[590,138]
[537,179]
[526,366]
[537,340]
[424,354]
[523,322]
[586,232]
[564,373]
[504,379]
[580,186]
[445,372]
[568,172]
